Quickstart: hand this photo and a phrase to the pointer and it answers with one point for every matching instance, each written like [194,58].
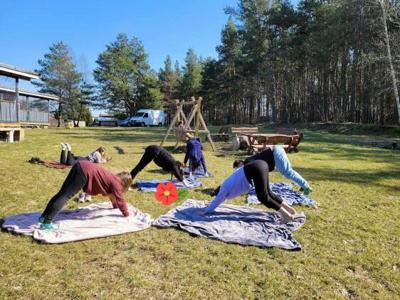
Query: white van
[148,117]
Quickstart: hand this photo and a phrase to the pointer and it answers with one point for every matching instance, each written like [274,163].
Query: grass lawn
[351,245]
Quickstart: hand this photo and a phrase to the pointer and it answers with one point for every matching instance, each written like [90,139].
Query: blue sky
[165,27]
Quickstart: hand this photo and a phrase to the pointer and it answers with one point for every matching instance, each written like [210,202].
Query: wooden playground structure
[195,121]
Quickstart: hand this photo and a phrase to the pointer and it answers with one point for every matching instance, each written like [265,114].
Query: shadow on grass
[119,150]
[158,171]
[208,191]
[368,177]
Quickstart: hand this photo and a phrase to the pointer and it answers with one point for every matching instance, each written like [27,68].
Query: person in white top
[242,181]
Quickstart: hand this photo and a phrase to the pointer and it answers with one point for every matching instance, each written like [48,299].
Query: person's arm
[215,203]
[120,202]
[177,173]
[203,164]
[186,157]
[113,200]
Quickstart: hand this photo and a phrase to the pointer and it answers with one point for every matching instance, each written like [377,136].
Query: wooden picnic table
[260,141]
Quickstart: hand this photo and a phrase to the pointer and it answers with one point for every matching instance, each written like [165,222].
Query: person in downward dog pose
[94,180]
[242,180]
[194,155]
[163,159]
[275,156]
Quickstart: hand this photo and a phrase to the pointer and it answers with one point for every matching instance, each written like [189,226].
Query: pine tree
[169,81]
[191,80]
[59,76]
[123,75]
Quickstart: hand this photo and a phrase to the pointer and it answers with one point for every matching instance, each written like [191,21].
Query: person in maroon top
[93,180]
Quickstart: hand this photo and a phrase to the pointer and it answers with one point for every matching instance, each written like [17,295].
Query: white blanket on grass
[93,221]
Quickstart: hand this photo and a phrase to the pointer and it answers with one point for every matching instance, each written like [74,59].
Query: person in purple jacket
[194,155]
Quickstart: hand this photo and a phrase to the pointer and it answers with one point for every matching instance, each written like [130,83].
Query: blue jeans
[283,165]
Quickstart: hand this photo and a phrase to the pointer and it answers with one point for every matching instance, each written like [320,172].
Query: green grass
[350,244]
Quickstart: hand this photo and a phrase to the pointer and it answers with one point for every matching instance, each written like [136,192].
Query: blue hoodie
[195,155]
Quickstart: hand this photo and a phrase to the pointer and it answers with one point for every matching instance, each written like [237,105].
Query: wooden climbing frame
[195,117]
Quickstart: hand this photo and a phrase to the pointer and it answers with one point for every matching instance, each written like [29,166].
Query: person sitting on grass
[275,156]
[94,180]
[163,159]
[68,158]
[194,155]
[241,181]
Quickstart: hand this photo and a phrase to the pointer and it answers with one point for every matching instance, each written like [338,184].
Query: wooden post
[195,115]
[198,114]
[27,109]
[17,99]
[176,117]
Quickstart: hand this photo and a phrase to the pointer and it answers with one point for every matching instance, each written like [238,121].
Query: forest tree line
[322,61]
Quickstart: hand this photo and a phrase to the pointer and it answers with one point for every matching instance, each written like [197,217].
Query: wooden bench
[296,135]
[12,134]
[222,135]
[287,130]
[259,142]
[244,130]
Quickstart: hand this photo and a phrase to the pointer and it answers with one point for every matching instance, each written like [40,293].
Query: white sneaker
[81,197]
[68,147]
[63,147]
[88,198]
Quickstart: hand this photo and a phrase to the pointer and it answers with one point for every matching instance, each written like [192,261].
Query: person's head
[102,151]
[238,163]
[126,180]
[180,168]
[179,123]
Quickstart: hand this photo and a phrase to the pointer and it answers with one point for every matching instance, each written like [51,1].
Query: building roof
[31,94]
[12,71]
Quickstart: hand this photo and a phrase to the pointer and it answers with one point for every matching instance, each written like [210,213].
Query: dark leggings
[74,182]
[149,154]
[257,172]
[69,159]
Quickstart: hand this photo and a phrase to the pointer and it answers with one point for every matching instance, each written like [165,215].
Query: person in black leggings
[94,180]
[69,159]
[161,158]
[242,181]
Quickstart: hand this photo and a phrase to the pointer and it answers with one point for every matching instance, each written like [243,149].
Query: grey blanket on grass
[234,224]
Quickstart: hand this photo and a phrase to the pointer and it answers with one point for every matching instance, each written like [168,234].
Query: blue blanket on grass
[286,192]
[198,173]
[234,224]
[151,185]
